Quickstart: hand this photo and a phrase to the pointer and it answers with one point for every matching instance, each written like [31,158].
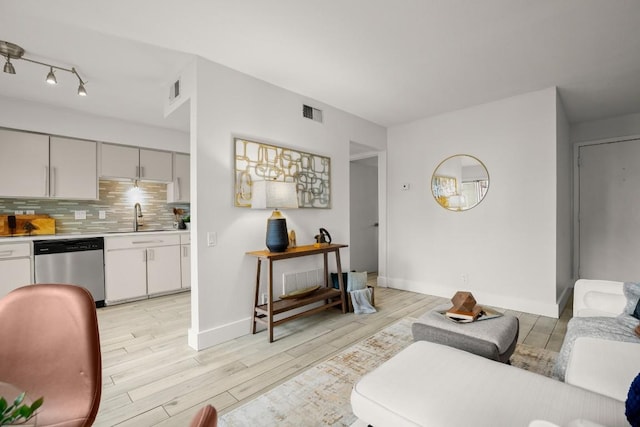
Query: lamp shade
[276,195]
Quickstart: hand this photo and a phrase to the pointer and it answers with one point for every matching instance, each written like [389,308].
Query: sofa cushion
[429,384]
[603,301]
[632,293]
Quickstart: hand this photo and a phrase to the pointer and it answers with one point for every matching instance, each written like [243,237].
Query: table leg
[255,301]
[270,301]
[341,282]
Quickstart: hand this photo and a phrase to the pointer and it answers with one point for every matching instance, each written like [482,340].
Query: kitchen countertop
[87,235]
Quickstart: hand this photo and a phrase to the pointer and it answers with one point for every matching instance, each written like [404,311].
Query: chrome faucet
[137,216]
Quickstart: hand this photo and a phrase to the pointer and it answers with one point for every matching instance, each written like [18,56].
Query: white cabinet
[15,266]
[137,266]
[178,190]
[24,164]
[185,260]
[122,162]
[73,169]
[34,167]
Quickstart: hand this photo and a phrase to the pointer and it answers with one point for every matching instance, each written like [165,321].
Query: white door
[609,211]
[363,187]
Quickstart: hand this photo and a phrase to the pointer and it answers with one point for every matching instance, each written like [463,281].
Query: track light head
[51,78]
[8,66]
[81,90]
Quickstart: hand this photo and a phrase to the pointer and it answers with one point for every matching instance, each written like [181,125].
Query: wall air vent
[174,91]
[312,113]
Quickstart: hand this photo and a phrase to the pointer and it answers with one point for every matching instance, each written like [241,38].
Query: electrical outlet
[18,212]
[30,212]
[465,278]
[102,214]
[264,298]
[80,214]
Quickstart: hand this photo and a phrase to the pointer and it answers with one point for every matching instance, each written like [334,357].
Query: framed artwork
[257,161]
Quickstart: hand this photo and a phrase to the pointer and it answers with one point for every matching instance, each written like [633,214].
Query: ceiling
[388,62]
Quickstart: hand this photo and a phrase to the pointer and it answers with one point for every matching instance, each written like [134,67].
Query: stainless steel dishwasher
[72,261]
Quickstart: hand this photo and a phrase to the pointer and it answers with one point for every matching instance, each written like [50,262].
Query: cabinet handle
[137,171]
[185,252]
[144,256]
[144,242]
[6,253]
[141,171]
[53,182]
[46,180]
[150,255]
[178,196]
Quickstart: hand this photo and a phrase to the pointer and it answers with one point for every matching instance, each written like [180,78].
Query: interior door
[609,211]
[363,244]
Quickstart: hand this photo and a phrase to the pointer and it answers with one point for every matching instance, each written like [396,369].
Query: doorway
[609,210]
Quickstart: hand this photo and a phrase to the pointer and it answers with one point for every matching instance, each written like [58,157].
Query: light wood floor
[152,377]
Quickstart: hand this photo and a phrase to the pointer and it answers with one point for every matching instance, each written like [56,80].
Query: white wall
[564,210]
[506,246]
[628,125]
[228,104]
[31,116]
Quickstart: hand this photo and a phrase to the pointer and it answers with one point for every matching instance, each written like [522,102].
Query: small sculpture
[292,239]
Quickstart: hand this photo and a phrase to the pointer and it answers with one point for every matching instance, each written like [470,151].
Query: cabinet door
[73,169]
[178,191]
[163,269]
[185,265]
[24,164]
[155,165]
[15,273]
[125,274]
[117,161]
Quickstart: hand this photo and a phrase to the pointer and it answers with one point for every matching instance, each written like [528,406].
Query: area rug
[320,396]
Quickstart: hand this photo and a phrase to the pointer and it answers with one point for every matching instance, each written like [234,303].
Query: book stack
[464,308]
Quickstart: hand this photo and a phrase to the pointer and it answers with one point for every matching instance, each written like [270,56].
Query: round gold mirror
[460,182]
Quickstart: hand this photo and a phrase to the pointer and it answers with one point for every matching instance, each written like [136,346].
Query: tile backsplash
[117,199]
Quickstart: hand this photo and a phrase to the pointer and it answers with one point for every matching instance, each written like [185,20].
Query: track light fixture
[13,51]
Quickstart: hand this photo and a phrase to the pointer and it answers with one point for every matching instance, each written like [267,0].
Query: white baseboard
[550,309]
[199,340]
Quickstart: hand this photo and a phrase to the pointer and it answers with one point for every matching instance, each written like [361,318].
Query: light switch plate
[80,214]
[102,214]
[30,212]
[212,238]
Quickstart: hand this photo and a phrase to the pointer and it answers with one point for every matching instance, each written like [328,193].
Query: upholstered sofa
[601,350]
[429,384]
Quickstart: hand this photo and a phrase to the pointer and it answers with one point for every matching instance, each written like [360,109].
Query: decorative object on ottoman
[493,339]
[464,307]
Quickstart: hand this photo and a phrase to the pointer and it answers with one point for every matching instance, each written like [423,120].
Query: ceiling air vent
[312,113]
[174,90]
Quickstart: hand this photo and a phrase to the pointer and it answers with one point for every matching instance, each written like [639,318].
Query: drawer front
[145,240]
[15,250]
[185,238]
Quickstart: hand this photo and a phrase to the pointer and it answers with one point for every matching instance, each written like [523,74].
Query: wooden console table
[332,297]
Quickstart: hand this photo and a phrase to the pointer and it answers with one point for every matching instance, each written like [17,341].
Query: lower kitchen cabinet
[136,267]
[15,266]
[185,260]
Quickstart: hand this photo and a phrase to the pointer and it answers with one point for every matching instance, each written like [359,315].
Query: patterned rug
[320,396]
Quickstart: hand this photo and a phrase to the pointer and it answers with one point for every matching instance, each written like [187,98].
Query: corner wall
[229,104]
[506,246]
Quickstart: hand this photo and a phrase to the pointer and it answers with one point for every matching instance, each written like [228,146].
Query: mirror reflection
[460,182]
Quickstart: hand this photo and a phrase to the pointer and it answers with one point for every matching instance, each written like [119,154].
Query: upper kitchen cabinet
[73,169]
[178,191]
[24,164]
[122,162]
